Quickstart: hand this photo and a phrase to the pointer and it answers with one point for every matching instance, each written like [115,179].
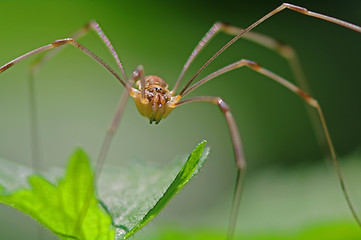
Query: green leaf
[135,194]
[130,196]
[190,168]
[58,206]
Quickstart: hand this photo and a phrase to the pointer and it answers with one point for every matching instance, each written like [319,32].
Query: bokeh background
[77,98]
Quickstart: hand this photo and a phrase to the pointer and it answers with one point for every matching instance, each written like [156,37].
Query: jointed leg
[33,119]
[55,44]
[218,26]
[38,63]
[81,32]
[253,65]
[279,47]
[59,43]
[120,108]
[34,135]
[270,14]
[115,122]
[42,59]
[284,50]
[101,157]
[26,55]
[94,25]
[290,55]
[238,152]
[308,99]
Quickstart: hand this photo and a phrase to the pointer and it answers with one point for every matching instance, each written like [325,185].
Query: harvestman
[155,101]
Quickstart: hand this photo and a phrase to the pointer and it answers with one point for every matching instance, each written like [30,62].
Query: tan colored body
[158,101]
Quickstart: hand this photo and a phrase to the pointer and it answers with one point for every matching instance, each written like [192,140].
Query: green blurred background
[77,99]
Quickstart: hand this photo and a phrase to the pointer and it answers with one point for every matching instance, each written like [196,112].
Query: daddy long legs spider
[155,101]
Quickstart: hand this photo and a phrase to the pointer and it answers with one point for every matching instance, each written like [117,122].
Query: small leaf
[135,194]
[190,168]
[58,207]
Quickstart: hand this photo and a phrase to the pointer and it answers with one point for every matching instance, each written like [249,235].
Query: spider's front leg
[39,62]
[273,44]
[92,25]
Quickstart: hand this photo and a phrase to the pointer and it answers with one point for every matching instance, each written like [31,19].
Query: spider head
[158,101]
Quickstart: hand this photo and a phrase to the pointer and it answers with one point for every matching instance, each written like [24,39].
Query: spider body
[157,101]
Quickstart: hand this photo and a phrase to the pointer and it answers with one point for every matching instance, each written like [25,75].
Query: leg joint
[223,23]
[295,8]
[252,64]
[6,66]
[223,106]
[61,42]
[313,102]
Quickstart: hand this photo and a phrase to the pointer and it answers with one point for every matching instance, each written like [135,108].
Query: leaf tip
[78,158]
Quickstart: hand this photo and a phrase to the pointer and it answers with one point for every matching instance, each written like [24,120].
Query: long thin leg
[55,44]
[35,66]
[243,62]
[36,160]
[99,31]
[101,157]
[290,55]
[34,133]
[284,50]
[42,59]
[61,42]
[110,134]
[270,14]
[238,64]
[33,69]
[238,153]
[308,99]
[218,26]
[33,117]
[137,74]
[39,62]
